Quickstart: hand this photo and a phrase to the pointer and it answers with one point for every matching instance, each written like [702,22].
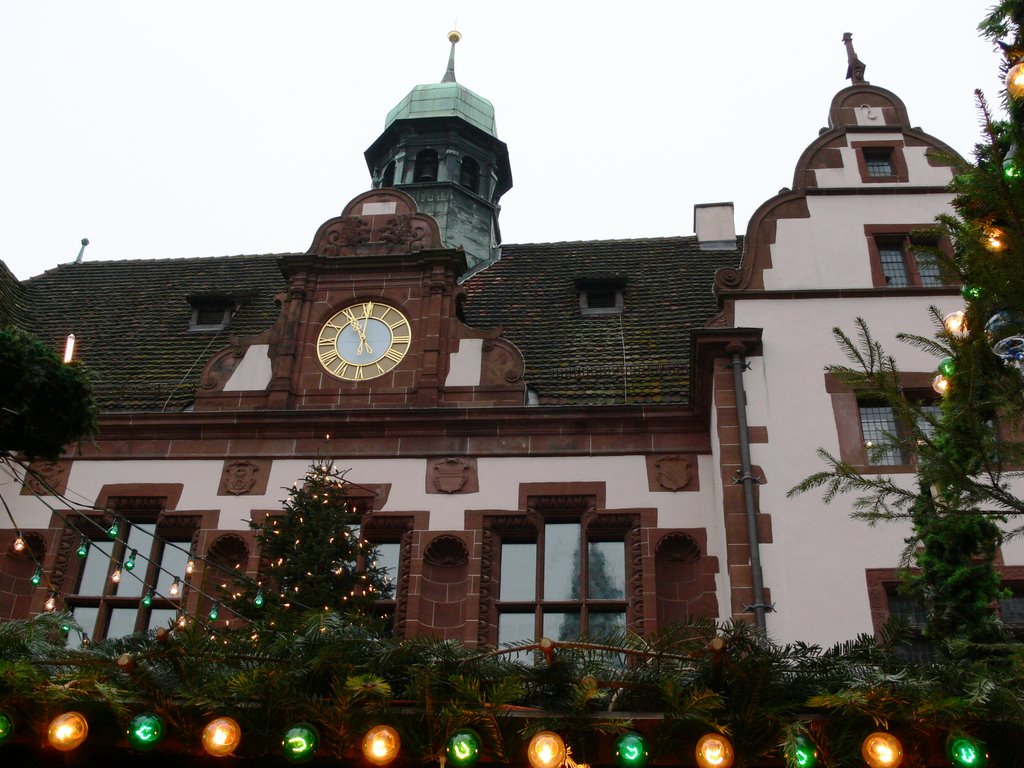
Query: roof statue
[856,67]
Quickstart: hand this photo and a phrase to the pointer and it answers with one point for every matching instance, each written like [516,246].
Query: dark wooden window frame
[878,233]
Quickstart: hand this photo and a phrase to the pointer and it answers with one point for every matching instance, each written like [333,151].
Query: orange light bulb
[67,731]
[222,736]
[882,750]
[714,751]
[381,744]
[546,750]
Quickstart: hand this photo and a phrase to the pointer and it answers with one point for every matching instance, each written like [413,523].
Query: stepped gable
[571,359]
[131,320]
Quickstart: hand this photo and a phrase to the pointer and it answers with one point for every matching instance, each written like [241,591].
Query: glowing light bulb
[258,600]
[631,751]
[148,599]
[955,324]
[83,549]
[994,239]
[67,731]
[222,736]
[882,750]
[803,753]
[190,566]
[381,744]
[546,750]
[129,564]
[463,749]
[114,529]
[214,612]
[6,727]
[940,384]
[1015,80]
[145,731]
[69,348]
[175,588]
[714,751]
[966,752]
[116,575]
[37,577]
[299,743]
[19,543]
[50,604]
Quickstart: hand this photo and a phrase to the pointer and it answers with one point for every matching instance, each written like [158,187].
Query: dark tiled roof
[532,294]
[131,320]
[12,298]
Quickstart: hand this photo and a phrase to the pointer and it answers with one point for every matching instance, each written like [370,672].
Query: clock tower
[441,147]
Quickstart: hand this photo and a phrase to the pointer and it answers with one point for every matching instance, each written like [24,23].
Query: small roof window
[601,294]
[210,313]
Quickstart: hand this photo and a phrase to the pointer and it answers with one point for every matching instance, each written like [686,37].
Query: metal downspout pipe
[738,365]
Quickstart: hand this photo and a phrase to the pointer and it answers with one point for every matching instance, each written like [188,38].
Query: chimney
[715,226]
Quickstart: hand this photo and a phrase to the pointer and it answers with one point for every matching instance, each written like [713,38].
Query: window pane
[934,411]
[122,622]
[387,558]
[86,617]
[606,570]
[94,573]
[172,561]
[515,627]
[927,269]
[604,625]
[562,626]
[518,573]
[876,422]
[893,267]
[879,162]
[161,617]
[562,561]
[140,538]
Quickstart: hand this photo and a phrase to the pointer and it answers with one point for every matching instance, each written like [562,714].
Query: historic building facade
[546,439]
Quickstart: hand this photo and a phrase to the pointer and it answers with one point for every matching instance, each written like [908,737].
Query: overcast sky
[214,127]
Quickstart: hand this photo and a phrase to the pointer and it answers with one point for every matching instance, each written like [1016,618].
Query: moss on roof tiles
[638,356]
[131,320]
[12,298]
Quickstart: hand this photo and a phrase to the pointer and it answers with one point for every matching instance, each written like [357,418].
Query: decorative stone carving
[46,478]
[446,551]
[452,475]
[678,547]
[672,472]
[241,477]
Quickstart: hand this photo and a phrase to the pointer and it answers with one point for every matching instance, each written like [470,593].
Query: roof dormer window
[601,295]
[210,314]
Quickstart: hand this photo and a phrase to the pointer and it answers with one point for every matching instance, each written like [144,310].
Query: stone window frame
[540,502]
[904,233]
[395,528]
[606,287]
[846,405]
[135,503]
[898,160]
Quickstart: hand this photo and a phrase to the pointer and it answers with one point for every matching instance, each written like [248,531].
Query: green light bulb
[803,754]
[631,750]
[129,564]
[947,367]
[463,748]
[966,752]
[83,549]
[971,292]
[214,612]
[299,743]
[145,731]
[147,600]
[258,601]
[6,727]
[37,576]
[113,530]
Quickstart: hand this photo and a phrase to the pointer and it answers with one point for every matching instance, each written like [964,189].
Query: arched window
[426,166]
[388,179]
[469,176]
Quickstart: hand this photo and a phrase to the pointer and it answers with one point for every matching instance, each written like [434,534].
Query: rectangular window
[878,424]
[564,585]
[105,608]
[899,260]
[879,161]
[894,267]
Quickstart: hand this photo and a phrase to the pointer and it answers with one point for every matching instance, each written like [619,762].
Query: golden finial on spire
[449,76]
[454,36]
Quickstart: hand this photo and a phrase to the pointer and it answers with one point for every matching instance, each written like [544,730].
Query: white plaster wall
[919,172]
[830,249]
[254,372]
[464,364]
[815,567]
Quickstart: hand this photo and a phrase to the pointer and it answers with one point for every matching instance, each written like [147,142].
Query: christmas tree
[313,558]
[962,501]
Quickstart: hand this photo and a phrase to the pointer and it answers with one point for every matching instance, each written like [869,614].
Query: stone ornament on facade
[244,477]
[674,473]
[46,478]
[453,475]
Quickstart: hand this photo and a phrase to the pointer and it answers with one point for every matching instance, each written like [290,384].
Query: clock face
[364,341]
